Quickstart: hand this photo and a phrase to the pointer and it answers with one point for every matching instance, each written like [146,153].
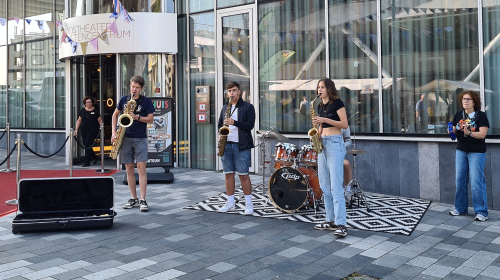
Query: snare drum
[308,156]
[291,189]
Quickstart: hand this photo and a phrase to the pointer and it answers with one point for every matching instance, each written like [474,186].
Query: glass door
[236,55]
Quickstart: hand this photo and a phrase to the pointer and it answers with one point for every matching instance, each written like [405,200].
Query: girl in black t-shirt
[89,119]
[471,126]
[331,118]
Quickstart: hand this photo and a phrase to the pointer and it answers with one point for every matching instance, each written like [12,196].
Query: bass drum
[289,188]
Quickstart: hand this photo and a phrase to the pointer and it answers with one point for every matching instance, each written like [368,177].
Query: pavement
[169,242]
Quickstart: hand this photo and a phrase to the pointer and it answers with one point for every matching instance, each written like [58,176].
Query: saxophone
[124,121]
[314,132]
[224,131]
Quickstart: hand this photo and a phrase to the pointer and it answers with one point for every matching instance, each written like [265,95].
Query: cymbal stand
[355,186]
[263,140]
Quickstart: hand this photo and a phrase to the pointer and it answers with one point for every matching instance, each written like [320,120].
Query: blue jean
[235,160]
[470,165]
[331,178]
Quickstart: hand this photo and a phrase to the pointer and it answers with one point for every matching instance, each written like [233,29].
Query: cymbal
[273,135]
[355,152]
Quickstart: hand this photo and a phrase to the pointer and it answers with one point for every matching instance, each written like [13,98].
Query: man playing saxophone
[135,144]
[236,158]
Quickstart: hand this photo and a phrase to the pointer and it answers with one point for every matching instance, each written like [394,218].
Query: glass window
[353,60]
[200,5]
[202,67]
[3,28]
[3,85]
[182,94]
[181,7]
[15,91]
[429,54]
[91,7]
[229,3]
[59,74]
[491,36]
[140,64]
[169,6]
[169,75]
[291,54]
[39,40]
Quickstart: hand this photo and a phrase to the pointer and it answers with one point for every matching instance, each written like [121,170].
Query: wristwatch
[470,132]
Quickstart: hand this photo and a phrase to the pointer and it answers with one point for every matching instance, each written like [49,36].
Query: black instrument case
[50,204]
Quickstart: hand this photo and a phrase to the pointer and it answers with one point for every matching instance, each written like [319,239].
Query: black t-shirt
[330,111]
[144,108]
[471,144]
[89,118]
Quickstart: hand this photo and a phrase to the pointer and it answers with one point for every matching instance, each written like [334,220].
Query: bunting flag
[114,15]
[74,46]
[63,36]
[40,24]
[104,36]
[374,37]
[415,10]
[69,39]
[427,33]
[17,20]
[93,42]
[58,23]
[112,28]
[424,10]
[407,10]
[448,28]
[50,24]
[438,30]
[83,45]
[370,17]
[28,21]
[406,35]
[294,36]
[3,21]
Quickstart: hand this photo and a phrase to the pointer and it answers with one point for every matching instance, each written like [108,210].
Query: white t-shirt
[233,135]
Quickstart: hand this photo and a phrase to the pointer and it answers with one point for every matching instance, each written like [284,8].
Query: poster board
[160,134]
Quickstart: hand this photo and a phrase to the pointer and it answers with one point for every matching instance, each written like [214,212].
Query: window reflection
[291,54]
[433,49]
[140,64]
[91,7]
[491,39]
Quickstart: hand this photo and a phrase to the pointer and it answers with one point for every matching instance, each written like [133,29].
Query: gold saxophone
[224,131]
[314,132]
[124,121]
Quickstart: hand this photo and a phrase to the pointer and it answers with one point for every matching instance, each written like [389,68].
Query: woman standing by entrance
[332,119]
[90,121]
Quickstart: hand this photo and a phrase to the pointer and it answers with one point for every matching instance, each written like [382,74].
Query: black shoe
[94,161]
[86,164]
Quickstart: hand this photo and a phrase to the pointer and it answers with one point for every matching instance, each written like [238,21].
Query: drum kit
[294,182]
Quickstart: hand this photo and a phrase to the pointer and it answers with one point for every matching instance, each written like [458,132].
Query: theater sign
[102,34]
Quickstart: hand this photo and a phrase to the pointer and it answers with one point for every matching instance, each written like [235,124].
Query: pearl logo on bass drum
[290,176]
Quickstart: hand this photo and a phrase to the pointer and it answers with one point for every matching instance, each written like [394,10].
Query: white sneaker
[481,218]
[249,209]
[454,212]
[228,207]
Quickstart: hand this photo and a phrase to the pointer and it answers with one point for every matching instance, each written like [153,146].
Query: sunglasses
[466,99]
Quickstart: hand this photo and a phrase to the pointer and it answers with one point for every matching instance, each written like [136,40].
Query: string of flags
[119,11]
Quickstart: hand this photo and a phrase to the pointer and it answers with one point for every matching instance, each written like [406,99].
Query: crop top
[330,111]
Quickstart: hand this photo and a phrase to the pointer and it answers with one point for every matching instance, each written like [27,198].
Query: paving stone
[434,253]
[373,253]
[453,276]
[348,252]
[376,271]
[165,275]
[391,261]
[340,271]
[467,271]
[462,253]
[492,271]
[409,271]
[423,262]
[481,260]
[437,271]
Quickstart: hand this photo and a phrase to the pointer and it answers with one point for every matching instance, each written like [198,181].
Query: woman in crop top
[331,118]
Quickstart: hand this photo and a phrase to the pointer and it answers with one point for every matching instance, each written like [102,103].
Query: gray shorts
[134,148]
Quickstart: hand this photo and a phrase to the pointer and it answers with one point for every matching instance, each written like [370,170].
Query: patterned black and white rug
[396,215]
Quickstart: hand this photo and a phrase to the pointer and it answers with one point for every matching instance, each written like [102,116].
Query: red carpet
[8,189]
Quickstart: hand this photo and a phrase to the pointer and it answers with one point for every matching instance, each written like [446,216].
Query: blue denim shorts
[134,148]
[235,160]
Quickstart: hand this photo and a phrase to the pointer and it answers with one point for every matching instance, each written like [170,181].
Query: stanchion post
[7,131]
[18,163]
[71,152]
[102,170]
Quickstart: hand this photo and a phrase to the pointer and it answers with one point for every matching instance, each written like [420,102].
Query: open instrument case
[64,203]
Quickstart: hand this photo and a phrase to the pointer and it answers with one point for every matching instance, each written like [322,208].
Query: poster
[160,132]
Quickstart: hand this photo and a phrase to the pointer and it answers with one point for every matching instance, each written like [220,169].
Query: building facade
[398,65]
